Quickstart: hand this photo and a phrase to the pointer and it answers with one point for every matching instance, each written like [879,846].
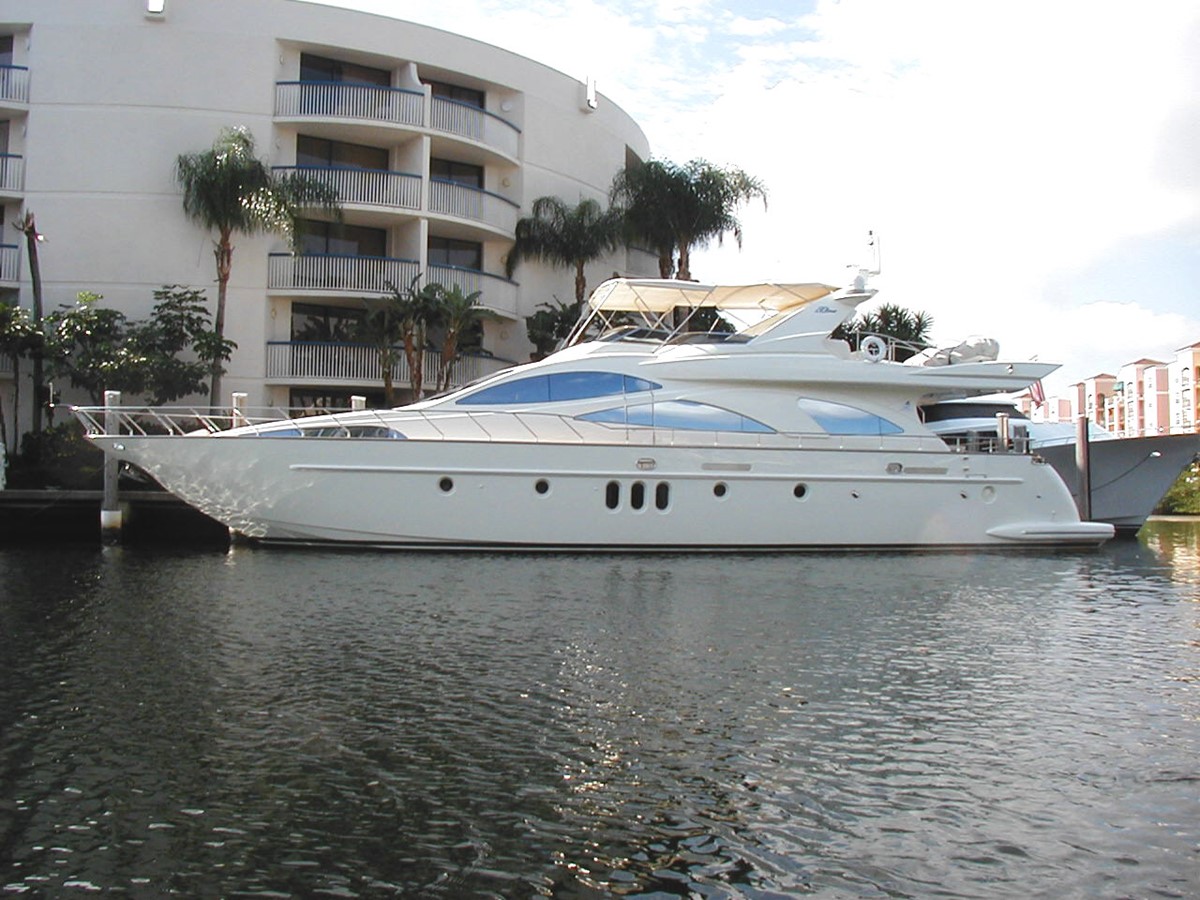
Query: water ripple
[275,724]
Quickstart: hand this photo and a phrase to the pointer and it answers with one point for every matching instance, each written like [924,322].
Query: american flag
[1037,392]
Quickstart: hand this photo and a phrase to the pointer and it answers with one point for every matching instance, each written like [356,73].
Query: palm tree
[18,337]
[228,189]
[691,204]
[459,312]
[568,236]
[401,320]
[907,331]
[641,192]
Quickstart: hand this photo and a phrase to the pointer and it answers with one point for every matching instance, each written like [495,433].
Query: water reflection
[433,725]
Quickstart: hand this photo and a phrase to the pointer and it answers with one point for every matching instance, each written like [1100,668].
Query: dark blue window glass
[558,386]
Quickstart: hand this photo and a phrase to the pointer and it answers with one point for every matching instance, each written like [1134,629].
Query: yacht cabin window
[684,415]
[559,386]
[839,418]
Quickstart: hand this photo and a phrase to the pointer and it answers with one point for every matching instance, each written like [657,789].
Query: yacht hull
[1128,475]
[547,496]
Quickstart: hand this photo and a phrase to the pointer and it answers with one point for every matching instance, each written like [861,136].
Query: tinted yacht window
[559,386]
[685,415]
[838,418]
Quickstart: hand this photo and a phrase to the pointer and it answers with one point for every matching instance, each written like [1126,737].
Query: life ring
[873,348]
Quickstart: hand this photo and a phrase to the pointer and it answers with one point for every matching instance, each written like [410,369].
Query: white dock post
[358,402]
[238,404]
[1083,465]
[110,506]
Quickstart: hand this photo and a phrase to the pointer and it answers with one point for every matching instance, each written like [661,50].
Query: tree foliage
[1183,499]
[228,189]
[672,209]
[400,323]
[550,324]
[19,338]
[97,349]
[567,236]
[908,330]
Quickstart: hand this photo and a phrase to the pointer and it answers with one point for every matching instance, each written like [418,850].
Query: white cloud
[994,147]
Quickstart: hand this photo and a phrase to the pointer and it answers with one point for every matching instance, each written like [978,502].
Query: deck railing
[14,84]
[462,201]
[338,100]
[395,106]
[338,363]
[368,187]
[10,263]
[338,273]
[12,173]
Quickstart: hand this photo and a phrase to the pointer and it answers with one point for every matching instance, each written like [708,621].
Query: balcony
[12,175]
[304,362]
[338,273]
[364,187]
[496,293]
[10,265]
[14,84]
[460,201]
[395,108]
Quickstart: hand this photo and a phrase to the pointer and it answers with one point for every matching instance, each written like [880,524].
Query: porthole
[447,485]
[612,494]
[637,495]
[720,489]
[800,491]
[662,495]
[542,486]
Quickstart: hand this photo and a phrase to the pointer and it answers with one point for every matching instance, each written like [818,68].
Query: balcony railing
[327,363]
[339,100]
[465,202]
[465,120]
[14,84]
[369,187]
[10,263]
[12,173]
[338,273]
[395,106]
[496,293]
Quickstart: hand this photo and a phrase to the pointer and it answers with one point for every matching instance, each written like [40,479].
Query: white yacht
[1127,476]
[647,431]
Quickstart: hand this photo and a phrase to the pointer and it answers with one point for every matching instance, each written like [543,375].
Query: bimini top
[660,296]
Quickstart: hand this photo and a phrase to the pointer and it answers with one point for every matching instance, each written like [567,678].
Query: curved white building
[437,144]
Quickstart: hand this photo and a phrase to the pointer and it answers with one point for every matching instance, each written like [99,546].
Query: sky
[1031,168]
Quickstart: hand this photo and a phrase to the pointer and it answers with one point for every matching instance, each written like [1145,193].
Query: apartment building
[1146,397]
[436,143]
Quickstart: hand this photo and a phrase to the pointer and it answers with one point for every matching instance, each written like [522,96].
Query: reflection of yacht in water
[642,433]
[1128,475]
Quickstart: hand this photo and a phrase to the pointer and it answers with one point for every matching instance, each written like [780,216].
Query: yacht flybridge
[678,416]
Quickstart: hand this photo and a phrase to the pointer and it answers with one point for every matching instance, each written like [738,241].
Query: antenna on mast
[873,265]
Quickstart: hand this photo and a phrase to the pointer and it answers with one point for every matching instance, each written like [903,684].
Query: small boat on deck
[678,416]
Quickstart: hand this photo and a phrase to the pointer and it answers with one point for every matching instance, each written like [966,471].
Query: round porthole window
[800,491]
[542,486]
[447,485]
[720,489]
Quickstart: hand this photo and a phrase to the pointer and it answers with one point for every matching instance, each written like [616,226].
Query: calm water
[273,723]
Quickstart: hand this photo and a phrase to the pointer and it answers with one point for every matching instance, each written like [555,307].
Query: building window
[469,96]
[325,324]
[457,172]
[6,50]
[320,68]
[317,400]
[313,151]
[451,252]
[338,239]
